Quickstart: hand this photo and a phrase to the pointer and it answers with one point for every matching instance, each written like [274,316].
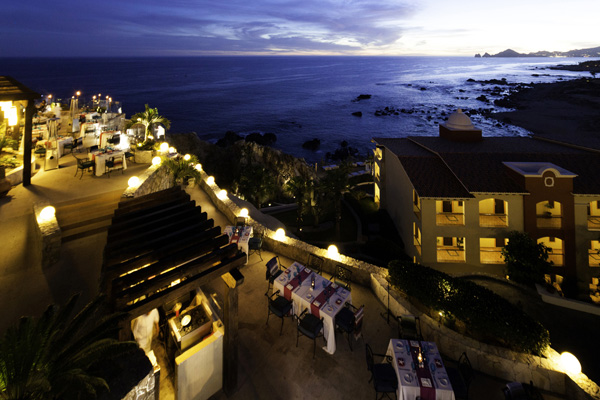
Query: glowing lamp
[222,195]
[164,147]
[78,93]
[47,214]
[244,212]
[280,234]
[156,160]
[134,181]
[210,180]
[49,96]
[187,157]
[172,150]
[150,137]
[332,251]
[570,363]
[198,167]
[12,116]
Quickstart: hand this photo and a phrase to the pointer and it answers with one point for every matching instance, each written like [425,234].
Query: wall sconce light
[280,234]
[134,181]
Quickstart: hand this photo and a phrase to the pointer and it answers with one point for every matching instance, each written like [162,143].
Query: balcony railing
[594,258]
[491,255]
[594,222]
[556,258]
[417,211]
[450,219]
[549,221]
[493,220]
[450,254]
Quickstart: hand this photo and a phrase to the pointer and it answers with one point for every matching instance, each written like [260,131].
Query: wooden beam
[120,222]
[143,209]
[27,137]
[230,341]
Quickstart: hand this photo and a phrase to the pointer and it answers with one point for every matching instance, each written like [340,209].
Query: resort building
[455,197]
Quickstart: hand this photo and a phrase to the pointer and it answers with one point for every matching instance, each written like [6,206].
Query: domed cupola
[459,128]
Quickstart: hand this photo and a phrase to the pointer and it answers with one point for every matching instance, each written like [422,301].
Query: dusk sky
[319,27]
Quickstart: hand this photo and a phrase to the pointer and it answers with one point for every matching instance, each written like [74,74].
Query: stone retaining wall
[48,233]
[154,179]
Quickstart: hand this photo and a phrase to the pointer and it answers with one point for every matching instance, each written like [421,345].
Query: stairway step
[84,231]
[79,224]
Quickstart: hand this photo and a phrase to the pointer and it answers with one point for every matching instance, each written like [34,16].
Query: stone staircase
[87,216]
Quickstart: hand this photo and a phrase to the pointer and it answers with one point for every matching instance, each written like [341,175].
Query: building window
[492,213]
[490,250]
[555,250]
[549,214]
[451,250]
[416,204]
[593,212]
[449,212]
[417,238]
[594,253]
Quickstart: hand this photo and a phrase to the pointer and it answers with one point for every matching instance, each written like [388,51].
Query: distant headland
[591,52]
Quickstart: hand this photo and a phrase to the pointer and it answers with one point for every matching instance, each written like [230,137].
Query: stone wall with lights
[48,233]
[154,179]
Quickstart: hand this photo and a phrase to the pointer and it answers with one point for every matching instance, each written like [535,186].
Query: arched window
[493,213]
[549,214]
[555,247]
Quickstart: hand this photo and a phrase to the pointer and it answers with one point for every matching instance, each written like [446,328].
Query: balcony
[417,211]
[442,219]
[493,220]
[491,255]
[417,244]
[556,258]
[549,221]
[594,222]
[593,258]
[450,254]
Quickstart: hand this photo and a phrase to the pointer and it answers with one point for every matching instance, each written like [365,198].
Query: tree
[335,184]
[52,357]
[257,184]
[526,261]
[149,118]
[299,187]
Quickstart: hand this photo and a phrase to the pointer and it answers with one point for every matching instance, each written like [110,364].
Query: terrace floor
[270,365]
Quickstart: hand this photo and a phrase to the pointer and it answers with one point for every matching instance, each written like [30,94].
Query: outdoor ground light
[332,252]
[187,157]
[47,214]
[210,180]
[134,181]
[164,147]
[198,167]
[156,160]
[244,212]
[570,363]
[222,195]
[172,150]
[280,234]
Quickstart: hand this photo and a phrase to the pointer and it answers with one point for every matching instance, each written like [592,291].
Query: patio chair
[68,146]
[255,245]
[461,377]
[83,163]
[349,319]
[383,375]
[279,306]
[130,157]
[111,164]
[315,263]
[274,269]
[409,327]
[342,276]
[309,326]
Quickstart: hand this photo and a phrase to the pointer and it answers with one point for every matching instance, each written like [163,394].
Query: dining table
[240,235]
[101,156]
[423,376]
[309,290]
[61,141]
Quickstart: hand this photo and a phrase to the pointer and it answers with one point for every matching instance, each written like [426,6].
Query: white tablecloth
[304,295]
[243,238]
[409,386]
[100,160]
[61,144]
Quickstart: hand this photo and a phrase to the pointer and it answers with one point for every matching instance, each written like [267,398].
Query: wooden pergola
[162,246]
[12,90]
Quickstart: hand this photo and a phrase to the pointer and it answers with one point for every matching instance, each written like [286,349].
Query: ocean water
[296,98]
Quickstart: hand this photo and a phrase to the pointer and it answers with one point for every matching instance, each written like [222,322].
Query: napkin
[426,382]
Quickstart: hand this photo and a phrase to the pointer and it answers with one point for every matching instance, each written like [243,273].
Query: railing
[450,254]
[594,257]
[594,222]
[417,211]
[417,244]
[449,219]
[549,221]
[556,259]
[491,255]
[493,220]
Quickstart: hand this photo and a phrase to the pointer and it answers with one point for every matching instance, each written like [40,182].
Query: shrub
[481,310]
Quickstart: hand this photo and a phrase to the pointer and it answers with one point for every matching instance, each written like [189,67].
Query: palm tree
[335,183]
[149,118]
[299,187]
[52,357]
[257,184]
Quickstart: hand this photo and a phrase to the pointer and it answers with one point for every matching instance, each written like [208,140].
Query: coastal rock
[357,114]
[312,144]
[229,138]
[362,97]
[268,139]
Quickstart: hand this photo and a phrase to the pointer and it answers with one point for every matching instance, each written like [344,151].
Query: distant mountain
[592,52]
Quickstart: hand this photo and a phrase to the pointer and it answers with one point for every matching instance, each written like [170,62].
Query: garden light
[134,181]
[244,212]
[332,252]
[198,167]
[570,363]
[210,180]
[47,214]
[156,160]
[280,234]
[187,157]
[222,195]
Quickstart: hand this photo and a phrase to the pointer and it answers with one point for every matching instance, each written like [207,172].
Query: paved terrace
[270,365]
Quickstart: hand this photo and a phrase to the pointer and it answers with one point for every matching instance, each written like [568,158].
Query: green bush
[482,311]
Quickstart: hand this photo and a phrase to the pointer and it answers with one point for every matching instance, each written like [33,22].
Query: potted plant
[183,169]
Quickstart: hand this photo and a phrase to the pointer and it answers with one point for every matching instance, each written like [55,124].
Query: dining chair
[342,276]
[83,163]
[255,245]
[68,146]
[274,269]
[461,377]
[383,375]
[309,326]
[280,306]
[111,164]
[315,263]
[409,327]
[349,319]
[130,157]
